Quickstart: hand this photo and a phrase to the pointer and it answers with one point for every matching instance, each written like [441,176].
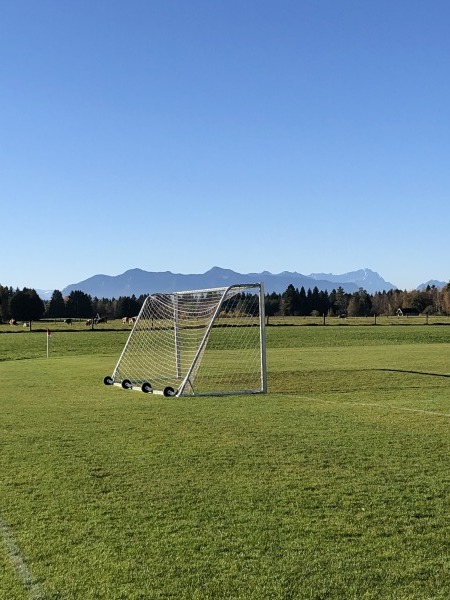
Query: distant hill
[137,282]
[364,278]
[432,282]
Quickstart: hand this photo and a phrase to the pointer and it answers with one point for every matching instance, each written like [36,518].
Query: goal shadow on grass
[415,372]
[353,380]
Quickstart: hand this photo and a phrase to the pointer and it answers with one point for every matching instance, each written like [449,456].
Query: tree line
[295,302]
[26,305]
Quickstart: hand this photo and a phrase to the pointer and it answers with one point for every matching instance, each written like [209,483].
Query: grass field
[334,485]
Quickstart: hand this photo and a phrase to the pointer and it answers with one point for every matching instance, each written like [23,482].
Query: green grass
[332,486]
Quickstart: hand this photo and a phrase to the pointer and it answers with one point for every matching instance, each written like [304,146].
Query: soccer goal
[201,342]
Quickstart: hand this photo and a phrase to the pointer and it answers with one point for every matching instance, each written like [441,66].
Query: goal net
[201,342]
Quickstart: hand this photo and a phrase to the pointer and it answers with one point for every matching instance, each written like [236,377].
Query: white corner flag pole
[49,335]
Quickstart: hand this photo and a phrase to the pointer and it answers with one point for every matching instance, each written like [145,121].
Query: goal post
[198,342]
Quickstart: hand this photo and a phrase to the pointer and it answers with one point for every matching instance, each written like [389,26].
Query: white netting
[200,342]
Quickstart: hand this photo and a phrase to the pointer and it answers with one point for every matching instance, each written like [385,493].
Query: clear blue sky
[306,135]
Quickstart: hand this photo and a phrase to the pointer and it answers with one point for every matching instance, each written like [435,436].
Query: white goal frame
[209,342]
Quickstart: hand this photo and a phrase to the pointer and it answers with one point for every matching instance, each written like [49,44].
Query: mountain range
[137,282]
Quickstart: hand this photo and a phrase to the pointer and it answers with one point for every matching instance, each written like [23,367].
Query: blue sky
[307,135]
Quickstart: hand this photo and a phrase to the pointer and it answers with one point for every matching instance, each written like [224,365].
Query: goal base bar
[154,392]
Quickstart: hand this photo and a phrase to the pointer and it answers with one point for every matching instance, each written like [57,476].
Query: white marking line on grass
[33,588]
[374,405]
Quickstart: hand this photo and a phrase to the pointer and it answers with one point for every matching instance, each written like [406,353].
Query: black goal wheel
[108,380]
[126,384]
[146,387]
[169,391]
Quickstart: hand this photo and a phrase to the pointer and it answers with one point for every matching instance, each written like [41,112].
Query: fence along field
[333,485]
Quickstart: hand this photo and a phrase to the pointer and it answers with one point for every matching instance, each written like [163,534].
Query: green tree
[290,301]
[78,305]
[341,301]
[302,302]
[272,304]
[5,295]
[127,306]
[360,304]
[324,302]
[26,305]
[314,301]
[420,300]
[56,307]
[104,307]
[380,304]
